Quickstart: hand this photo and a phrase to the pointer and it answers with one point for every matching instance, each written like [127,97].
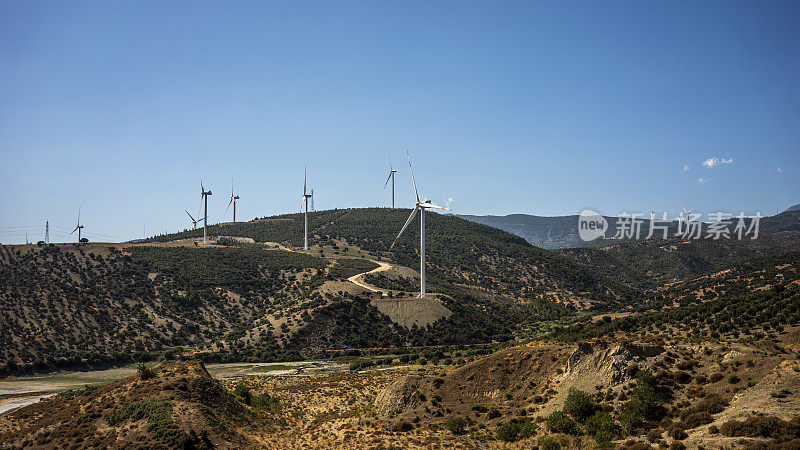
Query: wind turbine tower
[303,203]
[79,227]
[47,232]
[204,194]
[392,171]
[233,200]
[419,207]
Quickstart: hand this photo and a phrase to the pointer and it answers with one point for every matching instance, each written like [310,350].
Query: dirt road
[382,266]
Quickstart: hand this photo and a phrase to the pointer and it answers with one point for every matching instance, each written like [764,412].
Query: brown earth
[198,412]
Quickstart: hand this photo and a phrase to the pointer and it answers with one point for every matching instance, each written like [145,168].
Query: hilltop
[459,252]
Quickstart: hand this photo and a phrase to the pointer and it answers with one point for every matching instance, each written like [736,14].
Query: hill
[653,263]
[255,295]
[459,252]
[72,306]
[753,299]
[562,231]
[178,405]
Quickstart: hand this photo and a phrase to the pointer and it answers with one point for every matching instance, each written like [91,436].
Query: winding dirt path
[382,267]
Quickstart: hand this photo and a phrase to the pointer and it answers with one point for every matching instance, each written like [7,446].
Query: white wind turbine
[419,207]
[233,200]
[204,194]
[304,202]
[684,212]
[79,227]
[392,171]
[194,221]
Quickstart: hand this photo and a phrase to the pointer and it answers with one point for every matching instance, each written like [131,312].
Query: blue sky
[542,108]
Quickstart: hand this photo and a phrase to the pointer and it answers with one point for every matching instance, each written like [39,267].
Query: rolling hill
[74,305]
[653,263]
[562,232]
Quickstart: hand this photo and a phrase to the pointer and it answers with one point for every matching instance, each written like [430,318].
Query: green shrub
[579,404]
[265,403]
[643,403]
[516,430]
[604,439]
[158,416]
[558,422]
[549,443]
[599,421]
[456,425]
[145,372]
[601,426]
[243,393]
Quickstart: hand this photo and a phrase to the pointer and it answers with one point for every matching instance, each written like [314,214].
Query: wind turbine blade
[390,163]
[387,180]
[305,179]
[410,218]
[412,176]
[76,229]
[231,186]
[229,204]
[202,189]
[190,216]
[301,202]
[431,205]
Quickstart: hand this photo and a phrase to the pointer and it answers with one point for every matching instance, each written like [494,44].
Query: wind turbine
[204,195]
[421,207]
[304,201]
[194,222]
[79,227]
[233,200]
[392,171]
[685,212]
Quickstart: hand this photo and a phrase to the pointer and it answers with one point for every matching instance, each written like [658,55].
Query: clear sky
[506,107]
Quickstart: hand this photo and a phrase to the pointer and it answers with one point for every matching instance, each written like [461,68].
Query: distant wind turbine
[233,200]
[79,227]
[304,202]
[194,221]
[392,171]
[204,195]
[419,207]
[684,212]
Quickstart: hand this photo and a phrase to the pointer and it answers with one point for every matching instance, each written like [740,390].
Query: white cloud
[701,180]
[779,170]
[711,162]
[685,168]
[448,201]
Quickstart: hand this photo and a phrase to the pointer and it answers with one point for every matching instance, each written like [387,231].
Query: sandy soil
[408,312]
